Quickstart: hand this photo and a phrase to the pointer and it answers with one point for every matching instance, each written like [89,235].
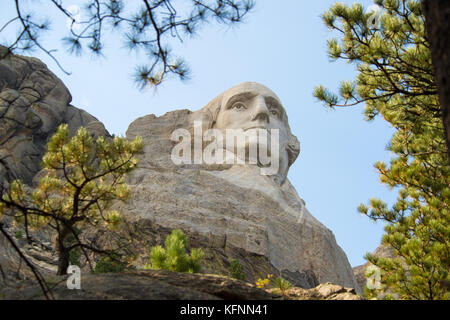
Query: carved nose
[261,111]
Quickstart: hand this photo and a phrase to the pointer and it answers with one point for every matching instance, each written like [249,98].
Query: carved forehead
[253,88]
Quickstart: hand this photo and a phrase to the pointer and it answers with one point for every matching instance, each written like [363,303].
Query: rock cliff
[33,103]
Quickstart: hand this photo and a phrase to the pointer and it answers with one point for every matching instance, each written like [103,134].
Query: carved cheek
[226,119]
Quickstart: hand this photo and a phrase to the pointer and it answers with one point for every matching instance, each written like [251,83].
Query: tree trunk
[63,263]
[437,18]
[62,252]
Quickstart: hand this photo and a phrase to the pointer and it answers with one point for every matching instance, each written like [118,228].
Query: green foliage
[110,263]
[237,270]
[19,234]
[396,81]
[82,178]
[74,256]
[281,285]
[75,253]
[174,257]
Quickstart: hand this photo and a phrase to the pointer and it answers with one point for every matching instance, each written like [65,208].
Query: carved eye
[239,106]
[274,112]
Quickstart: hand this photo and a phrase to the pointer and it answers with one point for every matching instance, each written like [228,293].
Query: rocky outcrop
[13,269]
[166,285]
[219,252]
[33,103]
[324,291]
[359,271]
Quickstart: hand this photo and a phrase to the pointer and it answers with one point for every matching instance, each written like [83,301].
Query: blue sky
[281,45]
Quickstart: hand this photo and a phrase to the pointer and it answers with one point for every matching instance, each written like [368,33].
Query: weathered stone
[33,103]
[324,291]
[166,285]
[13,270]
[147,285]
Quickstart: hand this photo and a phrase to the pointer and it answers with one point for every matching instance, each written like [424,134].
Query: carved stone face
[251,105]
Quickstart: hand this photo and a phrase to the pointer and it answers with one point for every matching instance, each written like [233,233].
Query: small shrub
[281,285]
[174,257]
[109,264]
[75,253]
[74,256]
[19,234]
[236,270]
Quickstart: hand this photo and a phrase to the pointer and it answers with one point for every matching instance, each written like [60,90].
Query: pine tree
[82,179]
[146,26]
[174,257]
[396,81]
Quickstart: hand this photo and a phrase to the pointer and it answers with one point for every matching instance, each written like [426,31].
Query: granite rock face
[249,210]
[33,103]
